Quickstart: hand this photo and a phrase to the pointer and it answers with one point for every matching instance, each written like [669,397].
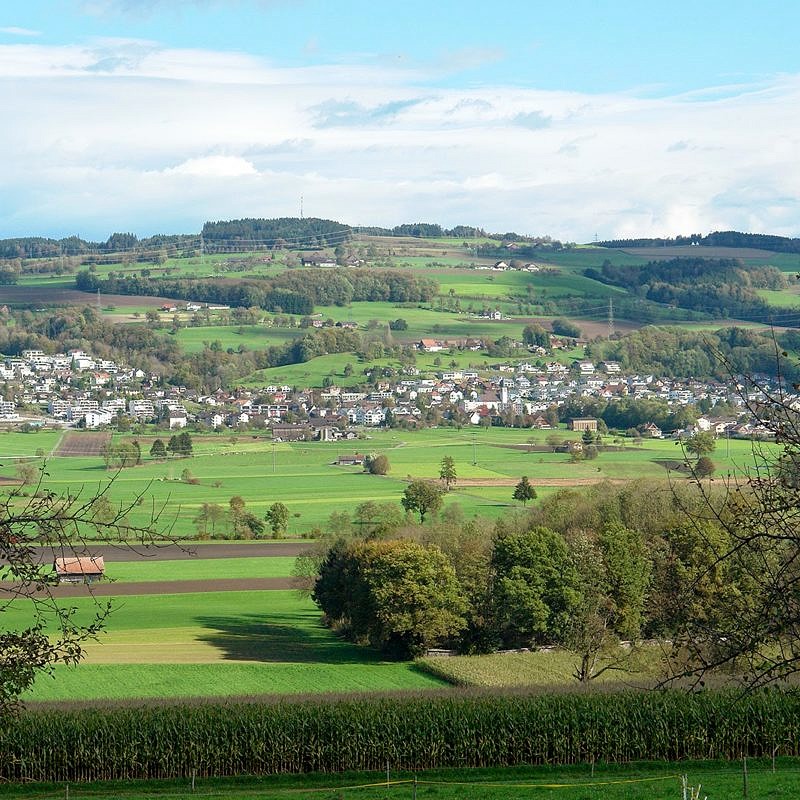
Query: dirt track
[465,483]
[190,550]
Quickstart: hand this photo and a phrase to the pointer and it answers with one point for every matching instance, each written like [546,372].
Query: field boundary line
[57,444]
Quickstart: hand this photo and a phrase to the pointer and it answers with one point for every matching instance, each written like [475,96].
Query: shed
[79,569]
[355,460]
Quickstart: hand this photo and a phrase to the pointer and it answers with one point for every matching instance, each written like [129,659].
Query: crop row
[411,733]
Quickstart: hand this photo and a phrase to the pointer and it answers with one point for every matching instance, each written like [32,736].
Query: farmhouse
[79,569]
[291,433]
[353,460]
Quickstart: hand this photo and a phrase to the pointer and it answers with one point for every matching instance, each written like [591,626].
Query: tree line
[274,234]
[718,287]
[760,241]
[698,354]
[292,292]
[585,571]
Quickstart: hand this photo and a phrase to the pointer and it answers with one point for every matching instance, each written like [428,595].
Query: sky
[577,120]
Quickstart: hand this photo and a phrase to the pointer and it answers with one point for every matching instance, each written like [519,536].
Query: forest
[584,570]
[290,293]
[718,287]
[760,241]
[269,234]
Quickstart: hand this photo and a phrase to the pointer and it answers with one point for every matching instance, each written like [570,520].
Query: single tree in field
[523,491]
[278,518]
[158,449]
[376,464]
[447,472]
[701,443]
[209,514]
[422,497]
[26,473]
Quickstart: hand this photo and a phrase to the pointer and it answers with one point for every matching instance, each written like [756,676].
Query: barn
[79,569]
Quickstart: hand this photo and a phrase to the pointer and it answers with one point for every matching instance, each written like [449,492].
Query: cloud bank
[127,134]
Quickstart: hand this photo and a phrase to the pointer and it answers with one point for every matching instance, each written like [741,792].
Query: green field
[202,569]
[293,473]
[219,644]
[541,670]
[253,337]
[720,780]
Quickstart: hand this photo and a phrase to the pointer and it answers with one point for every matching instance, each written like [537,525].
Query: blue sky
[616,118]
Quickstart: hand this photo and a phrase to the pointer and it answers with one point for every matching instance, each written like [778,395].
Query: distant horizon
[614,120]
[355,229]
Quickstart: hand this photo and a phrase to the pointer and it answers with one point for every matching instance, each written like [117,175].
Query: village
[77,390]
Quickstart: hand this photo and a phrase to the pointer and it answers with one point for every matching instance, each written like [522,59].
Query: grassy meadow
[219,644]
[489,461]
[638,781]
[206,569]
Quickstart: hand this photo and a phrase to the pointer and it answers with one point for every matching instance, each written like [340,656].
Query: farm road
[174,552]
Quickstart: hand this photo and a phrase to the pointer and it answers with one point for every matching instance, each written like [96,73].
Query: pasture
[488,461]
[252,337]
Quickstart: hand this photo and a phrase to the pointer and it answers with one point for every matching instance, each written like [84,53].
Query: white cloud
[214,167]
[122,134]
[12,30]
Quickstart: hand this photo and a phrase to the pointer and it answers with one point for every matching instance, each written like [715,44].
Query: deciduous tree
[422,497]
[447,472]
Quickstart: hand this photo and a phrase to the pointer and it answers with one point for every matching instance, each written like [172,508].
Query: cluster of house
[78,389]
[503,266]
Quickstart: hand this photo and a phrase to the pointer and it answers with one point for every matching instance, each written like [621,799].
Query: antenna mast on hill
[610,317]
[301,206]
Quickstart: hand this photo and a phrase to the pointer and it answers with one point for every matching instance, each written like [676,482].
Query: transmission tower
[610,317]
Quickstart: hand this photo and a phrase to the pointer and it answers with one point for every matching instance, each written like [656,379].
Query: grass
[25,445]
[219,644]
[204,569]
[253,337]
[228,465]
[720,780]
[544,669]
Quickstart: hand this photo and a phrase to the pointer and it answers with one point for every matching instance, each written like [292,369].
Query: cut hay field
[220,644]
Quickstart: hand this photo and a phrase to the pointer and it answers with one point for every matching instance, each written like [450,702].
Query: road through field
[187,550]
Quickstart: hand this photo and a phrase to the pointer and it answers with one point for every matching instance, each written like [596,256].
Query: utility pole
[474,459]
[610,317]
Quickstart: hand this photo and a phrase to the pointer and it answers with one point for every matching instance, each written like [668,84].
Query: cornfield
[411,733]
